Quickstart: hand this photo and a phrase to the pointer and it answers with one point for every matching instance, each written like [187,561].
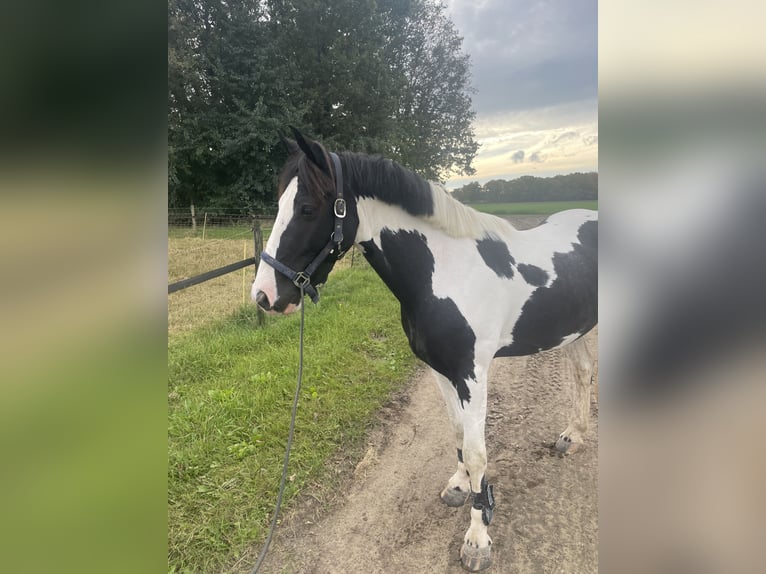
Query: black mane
[383,179]
[364,176]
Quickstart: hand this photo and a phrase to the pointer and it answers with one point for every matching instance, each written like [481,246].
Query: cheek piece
[302,279]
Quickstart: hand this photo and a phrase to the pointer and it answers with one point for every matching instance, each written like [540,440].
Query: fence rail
[231,267]
[208,275]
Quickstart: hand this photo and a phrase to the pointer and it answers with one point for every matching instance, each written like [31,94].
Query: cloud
[503,136]
[580,117]
[527,54]
[534,67]
[566,136]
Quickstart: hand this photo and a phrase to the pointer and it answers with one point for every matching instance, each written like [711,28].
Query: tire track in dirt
[391,519]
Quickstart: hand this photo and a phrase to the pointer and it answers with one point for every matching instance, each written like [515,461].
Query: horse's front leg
[476,549]
[458,487]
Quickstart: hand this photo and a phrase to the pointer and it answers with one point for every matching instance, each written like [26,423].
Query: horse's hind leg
[582,362]
[459,485]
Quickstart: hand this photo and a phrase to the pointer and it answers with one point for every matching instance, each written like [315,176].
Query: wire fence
[211,265]
[192,217]
[206,262]
[193,222]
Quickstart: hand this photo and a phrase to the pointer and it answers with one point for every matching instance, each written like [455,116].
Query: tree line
[574,186]
[373,76]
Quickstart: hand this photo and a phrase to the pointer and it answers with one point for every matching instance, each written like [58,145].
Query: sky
[534,69]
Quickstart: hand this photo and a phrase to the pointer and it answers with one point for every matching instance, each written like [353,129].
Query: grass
[195,306]
[204,303]
[230,389]
[532,207]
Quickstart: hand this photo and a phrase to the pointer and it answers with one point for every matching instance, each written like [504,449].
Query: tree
[574,186]
[469,193]
[385,76]
[225,89]
[434,117]
[346,87]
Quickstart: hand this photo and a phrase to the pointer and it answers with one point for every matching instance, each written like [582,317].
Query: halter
[302,279]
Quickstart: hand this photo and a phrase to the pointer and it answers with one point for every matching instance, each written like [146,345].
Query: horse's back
[581,215]
[565,306]
[568,224]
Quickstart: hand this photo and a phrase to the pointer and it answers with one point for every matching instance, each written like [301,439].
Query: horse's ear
[290,146]
[313,150]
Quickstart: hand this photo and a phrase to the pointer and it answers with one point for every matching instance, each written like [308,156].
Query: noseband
[302,279]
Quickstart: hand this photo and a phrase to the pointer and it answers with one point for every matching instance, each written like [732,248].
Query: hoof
[475,559]
[454,497]
[565,445]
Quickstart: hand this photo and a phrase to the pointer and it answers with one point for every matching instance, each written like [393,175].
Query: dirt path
[392,519]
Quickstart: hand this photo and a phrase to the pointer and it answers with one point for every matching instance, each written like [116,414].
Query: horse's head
[303,238]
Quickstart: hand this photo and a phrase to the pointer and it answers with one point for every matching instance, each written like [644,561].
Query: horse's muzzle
[263,301]
[277,307]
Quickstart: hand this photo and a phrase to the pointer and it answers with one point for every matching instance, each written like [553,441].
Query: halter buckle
[301,280]
[340,208]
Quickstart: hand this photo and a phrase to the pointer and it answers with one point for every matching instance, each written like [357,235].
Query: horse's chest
[441,337]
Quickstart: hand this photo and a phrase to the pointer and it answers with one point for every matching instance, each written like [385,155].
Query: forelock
[309,175]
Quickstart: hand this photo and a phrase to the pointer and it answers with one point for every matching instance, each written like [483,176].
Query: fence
[202,219]
[231,267]
[202,283]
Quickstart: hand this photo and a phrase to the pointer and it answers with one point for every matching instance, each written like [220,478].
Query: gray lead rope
[273,526]
[302,280]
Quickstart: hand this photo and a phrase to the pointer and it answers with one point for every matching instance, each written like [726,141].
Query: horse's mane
[380,178]
[384,179]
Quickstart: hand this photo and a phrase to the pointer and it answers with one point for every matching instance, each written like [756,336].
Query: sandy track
[392,519]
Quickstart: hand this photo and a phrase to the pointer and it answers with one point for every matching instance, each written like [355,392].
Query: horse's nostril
[262,300]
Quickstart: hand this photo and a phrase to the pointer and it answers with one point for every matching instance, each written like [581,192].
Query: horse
[471,287]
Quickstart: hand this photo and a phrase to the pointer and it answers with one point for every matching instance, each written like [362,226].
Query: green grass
[532,207]
[230,391]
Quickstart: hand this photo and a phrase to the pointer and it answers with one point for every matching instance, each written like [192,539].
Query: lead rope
[273,526]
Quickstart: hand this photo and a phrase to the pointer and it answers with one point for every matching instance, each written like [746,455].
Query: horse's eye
[307,210]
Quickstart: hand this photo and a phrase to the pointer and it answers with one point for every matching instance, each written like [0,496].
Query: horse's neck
[376,215]
[384,233]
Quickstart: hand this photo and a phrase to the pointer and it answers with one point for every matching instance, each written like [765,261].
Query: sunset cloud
[544,142]
[534,67]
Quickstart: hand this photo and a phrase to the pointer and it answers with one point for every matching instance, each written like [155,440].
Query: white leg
[475,553]
[582,365]
[459,486]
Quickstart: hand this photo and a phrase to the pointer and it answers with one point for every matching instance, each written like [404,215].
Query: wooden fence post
[258,242]
[244,256]
[194,220]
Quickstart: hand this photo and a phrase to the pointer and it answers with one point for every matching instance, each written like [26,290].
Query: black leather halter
[302,279]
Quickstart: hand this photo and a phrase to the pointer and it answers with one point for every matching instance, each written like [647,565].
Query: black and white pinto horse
[470,285]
